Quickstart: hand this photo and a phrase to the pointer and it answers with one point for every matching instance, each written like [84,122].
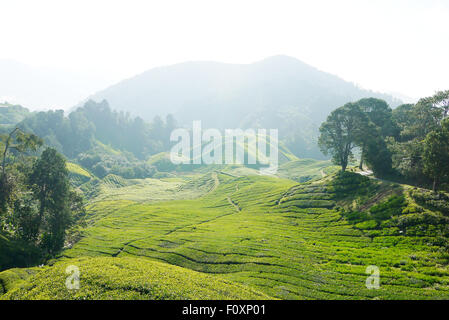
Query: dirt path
[216,181]
[235,205]
[365,173]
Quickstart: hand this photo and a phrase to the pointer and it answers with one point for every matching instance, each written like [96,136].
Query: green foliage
[78,132]
[270,234]
[356,216]
[436,154]
[366,225]
[77,174]
[102,160]
[304,170]
[378,156]
[14,144]
[388,209]
[51,187]
[39,209]
[121,278]
[12,114]
[350,184]
[17,253]
[341,132]
[420,151]
[408,144]
[381,115]
[435,201]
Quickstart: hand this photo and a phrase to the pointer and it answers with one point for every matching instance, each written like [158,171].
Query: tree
[403,117]
[50,184]
[376,153]
[20,142]
[380,113]
[341,132]
[381,126]
[427,115]
[438,102]
[26,220]
[436,154]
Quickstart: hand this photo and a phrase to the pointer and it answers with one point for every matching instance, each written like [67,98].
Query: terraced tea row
[284,239]
[119,278]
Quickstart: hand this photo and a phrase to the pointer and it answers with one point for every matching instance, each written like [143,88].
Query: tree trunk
[361,157]
[8,140]
[435,184]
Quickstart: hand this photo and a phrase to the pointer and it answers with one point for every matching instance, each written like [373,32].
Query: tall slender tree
[50,183]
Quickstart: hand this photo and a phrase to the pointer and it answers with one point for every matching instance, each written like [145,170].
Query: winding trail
[235,205]
[216,182]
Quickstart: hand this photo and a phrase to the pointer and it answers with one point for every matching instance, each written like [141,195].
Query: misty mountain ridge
[224,95]
[278,92]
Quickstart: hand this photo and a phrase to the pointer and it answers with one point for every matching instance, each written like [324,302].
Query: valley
[257,236]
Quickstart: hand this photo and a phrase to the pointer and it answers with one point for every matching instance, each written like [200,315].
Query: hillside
[310,240]
[120,278]
[278,92]
[11,114]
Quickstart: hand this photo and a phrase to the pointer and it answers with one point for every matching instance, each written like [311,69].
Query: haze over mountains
[278,92]
[224,94]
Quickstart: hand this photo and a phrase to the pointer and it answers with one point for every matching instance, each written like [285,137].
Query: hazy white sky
[385,45]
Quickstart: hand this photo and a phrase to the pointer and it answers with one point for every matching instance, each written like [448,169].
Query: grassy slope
[284,239]
[303,170]
[77,174]
[120,278]
[113,187]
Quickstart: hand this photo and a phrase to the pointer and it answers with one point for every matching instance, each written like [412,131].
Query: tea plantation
[215,235]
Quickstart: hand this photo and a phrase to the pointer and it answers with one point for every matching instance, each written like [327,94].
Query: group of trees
[37,203]
[364,124]
[102,140]
[410,142]
[421,152]
[93,122]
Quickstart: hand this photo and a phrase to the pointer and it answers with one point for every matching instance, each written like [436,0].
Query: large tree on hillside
[436,154]
[50,184]
[376,153]
[380,113]
[341,132]
[15,143]
[403,117]
[381,125]
[427,115]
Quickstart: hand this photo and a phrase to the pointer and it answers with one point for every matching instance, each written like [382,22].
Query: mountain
[278,92]
[44,88]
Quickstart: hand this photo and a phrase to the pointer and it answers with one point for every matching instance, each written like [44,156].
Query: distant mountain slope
[278,92]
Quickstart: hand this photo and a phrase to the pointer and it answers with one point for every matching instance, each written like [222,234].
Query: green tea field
[255,237]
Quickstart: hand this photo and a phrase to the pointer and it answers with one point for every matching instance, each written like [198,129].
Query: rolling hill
[246,236]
